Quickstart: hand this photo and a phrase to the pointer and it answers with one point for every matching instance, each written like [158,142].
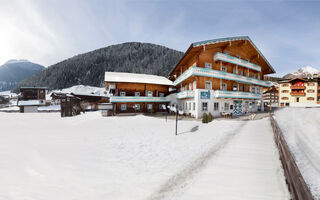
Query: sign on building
[204,95]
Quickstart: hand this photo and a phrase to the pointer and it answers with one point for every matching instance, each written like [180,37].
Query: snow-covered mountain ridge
[304,72]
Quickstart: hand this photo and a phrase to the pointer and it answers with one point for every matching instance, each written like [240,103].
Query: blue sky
[49,31]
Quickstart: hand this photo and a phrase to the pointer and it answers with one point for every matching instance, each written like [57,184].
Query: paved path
[245,166]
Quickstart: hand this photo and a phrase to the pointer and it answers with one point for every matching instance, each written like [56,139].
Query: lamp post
[177,110]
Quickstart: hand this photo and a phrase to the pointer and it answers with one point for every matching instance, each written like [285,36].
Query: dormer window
[122,93]
[208,65]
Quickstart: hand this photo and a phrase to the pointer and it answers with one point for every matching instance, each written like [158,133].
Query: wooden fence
[296,184]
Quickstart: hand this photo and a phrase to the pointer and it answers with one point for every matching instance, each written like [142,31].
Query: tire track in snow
[180,180]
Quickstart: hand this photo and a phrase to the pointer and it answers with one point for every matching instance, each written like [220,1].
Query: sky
[49,31]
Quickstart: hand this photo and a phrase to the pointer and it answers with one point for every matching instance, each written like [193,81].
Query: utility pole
[176,119]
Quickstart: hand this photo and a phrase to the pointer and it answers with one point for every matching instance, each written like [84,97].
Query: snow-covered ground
[301,128]
[43,156]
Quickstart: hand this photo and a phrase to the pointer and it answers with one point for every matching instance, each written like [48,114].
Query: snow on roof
[136,78]
[31,103]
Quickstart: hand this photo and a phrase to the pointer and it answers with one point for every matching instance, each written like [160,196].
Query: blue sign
[204,95]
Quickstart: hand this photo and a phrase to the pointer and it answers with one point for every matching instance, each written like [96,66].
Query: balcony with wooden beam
[237,61]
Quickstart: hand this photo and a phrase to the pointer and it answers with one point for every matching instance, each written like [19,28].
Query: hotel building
[299,92]
[221,76]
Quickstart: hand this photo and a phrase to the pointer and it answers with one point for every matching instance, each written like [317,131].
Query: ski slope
[43,156]
[300,127]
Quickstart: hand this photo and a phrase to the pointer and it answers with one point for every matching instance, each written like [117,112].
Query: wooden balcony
[297,87]
[297,93]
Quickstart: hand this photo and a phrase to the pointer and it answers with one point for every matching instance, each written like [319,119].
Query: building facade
[31,98]
[137,93]
[221,76]
[299,92]
[271,97]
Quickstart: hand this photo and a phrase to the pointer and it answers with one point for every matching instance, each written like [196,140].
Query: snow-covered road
[43,156]
[243,166]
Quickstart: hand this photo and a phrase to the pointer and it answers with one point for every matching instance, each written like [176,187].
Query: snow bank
[301,127]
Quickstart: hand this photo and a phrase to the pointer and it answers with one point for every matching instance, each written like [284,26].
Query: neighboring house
[299,92]
[221,76]
[271,97]
[31,98]
[137,93]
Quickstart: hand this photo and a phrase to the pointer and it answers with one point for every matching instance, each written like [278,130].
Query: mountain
[89,68]
[303,72]
[14,71]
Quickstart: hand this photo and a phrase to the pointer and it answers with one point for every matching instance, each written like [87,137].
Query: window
[226,106]
[224,68]
[310,91]
[285,91]
[253,90]
[216,106]
[241,72]
[122,93]
[284,98]
[234,70]
[189,105]
[235,87]
[190,86]
[161,94]
[258,76]
[208,85]
[208,65]
[123,106]
[310,98]
[284,85]
[246,88]
[310,84]
[137,94]
[204,106]
[149,106]
[246,74]
[149,94]
[194,106]
[240,87]
[224,86]
[137,106]
[186,106]
[41,91]
[253,75]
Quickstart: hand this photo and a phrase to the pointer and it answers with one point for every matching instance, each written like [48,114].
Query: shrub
[210,118]
[204,118]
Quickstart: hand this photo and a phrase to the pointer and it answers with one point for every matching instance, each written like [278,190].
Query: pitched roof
[227,39]
[136,78]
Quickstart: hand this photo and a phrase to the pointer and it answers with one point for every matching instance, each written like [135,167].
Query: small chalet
[137,93]
[31,98]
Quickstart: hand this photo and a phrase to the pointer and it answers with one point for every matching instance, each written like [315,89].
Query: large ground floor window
[216,106]
[123,107]
[204,106]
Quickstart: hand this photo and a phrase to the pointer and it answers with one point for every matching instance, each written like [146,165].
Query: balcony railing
[119,99]
[197,71]
[236,94]
[293,87]
[185,94]
[236,61]
[297,93]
